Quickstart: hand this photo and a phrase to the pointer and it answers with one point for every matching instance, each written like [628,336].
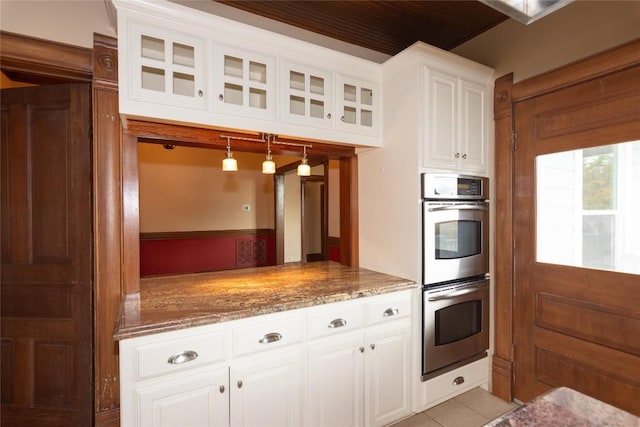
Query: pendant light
[303,168]
[229,164]
[269,166]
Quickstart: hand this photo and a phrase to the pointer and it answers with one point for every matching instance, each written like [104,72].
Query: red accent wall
[175,255]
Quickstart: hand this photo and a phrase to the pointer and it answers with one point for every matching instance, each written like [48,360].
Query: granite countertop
[565,407]
[168,303]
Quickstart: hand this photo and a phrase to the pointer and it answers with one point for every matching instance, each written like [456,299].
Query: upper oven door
[455,240]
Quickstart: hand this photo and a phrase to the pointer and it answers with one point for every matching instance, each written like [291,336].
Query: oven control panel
[452,186]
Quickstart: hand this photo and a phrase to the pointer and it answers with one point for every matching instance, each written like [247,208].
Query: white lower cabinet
[267,390]
[340,364]
[199,399]
[362,378]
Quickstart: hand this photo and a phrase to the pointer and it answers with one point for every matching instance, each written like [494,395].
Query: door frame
[506,96]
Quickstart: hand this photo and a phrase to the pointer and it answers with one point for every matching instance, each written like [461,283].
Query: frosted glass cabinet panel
[357,105]
[306,95]
[167,67]
[245,83]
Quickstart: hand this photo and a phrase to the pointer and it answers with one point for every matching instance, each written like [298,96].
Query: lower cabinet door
[336,383]
[387,372]
[267,391]
[194,400]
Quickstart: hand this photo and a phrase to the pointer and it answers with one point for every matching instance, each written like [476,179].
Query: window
[588,205]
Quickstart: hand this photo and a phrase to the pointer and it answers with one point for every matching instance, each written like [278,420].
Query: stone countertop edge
[129,324]
[567,407]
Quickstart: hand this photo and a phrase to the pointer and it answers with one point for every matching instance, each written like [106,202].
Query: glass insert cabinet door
[357,105]
[245,83]
[167,67]
[306,96]
[588,207]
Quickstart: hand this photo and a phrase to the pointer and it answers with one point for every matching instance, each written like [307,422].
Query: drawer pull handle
[458,381]
[270,337]
[182,357]
[391,312]
[337,323]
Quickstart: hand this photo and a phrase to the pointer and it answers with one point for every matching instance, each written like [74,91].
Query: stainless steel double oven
[455,237]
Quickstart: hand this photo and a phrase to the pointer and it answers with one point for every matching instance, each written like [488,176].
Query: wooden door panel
[46,269]
[575,327]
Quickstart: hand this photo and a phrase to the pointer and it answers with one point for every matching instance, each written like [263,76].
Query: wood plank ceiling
[383,26]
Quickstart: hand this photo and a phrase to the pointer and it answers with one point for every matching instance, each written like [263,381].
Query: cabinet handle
[361,349]
[373,346]
[342,118]
[457,155]
[458,381]
[337,323]
[222,388]
[390,312]
[329,116]
[182,357]
[239,383]
[200,93]
[220,97]
[464,156]
[270,337]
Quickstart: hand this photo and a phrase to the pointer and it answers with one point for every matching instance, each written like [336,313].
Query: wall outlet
[246,208]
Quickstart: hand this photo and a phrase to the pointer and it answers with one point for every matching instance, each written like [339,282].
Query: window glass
[588,202]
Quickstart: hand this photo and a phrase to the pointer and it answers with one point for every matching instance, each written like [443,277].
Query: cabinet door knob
[337,323]
[342,118]
[361,349]
[220,97]
[270,337]
[329,116]
[239,383]
[457,155]
[200,93]
[222,388]
[373,346]
[182,357]
[390,312]
[464,156]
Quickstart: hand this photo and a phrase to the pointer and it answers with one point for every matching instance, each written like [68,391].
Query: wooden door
[573,326]
[46,256]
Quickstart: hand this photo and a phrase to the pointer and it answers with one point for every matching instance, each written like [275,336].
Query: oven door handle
[459,208]
[457,293]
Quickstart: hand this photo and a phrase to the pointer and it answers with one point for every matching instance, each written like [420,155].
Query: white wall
[71,22]
[574,32]
[185,189]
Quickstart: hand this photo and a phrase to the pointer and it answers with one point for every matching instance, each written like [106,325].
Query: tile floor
[471,409]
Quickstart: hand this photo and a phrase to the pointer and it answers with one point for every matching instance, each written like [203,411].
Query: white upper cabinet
[166,67]
[456,123]
[306,95]
[358,105]
[184,66]
[244,83]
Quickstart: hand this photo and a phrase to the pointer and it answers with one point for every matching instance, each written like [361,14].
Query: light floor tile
[484,403]
[454,414]
[473,408]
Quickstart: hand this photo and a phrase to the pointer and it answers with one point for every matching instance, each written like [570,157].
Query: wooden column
[349,226]
[107,206]
[502,364]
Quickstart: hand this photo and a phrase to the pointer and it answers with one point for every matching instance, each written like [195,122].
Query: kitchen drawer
[177,354]
[388,307]
[336,318]
[267,334]
[453,383]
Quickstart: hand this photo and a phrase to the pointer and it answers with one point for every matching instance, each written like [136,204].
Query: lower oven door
[455,326]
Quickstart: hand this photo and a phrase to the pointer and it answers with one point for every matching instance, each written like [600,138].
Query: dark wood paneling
[47,276]
[33,60]
[502,370]
[383,26]
[107,222]
[168,235]
[349,229]
[574,325]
